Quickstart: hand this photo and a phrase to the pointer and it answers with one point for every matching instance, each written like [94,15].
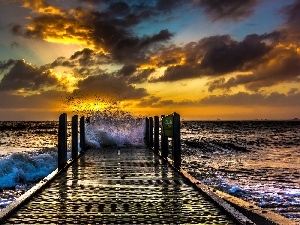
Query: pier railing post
[156,133]
[176,141]
[146,138]
[74,136]
[62,141]
[82,133]
[164,143]
[151,132]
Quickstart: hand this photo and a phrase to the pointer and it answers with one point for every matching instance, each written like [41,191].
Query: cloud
[126,49]
[231,57]
[127,70]
[178,72]
[109,29]
[244,99]
[45,100]
[216,56]
[291,27]
[88,57]
[40,6]
[55,28]
[14,44]
[280,65]
[108,85]
[235,10]
[257,99]
[85,59]
[25,76]
[154,101]
[119,8]
[6,64]
[168,5]
[141,76]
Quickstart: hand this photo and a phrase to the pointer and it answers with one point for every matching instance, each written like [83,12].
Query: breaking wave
[21,168]
[115,128]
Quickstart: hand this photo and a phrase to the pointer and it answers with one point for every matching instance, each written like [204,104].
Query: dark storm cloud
[23,75]
[235,10]
[123,46]
[88,57]
[218,55]
[62,61]
[216,84]
[291,26]
[119,8]
[141,76]
[107,85]
[168,5]
[163,35]
[127,70]
[178,72]
[279,66]
[85,54]
[83,58]
[6,64]
[231,57]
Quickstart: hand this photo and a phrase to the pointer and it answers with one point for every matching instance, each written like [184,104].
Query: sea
[257,161]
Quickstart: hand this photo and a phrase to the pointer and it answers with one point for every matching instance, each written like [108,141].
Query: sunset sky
[204,59]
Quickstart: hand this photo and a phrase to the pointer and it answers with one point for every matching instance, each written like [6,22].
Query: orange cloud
[40,6]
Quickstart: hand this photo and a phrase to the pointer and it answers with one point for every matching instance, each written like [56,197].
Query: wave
[22,168]
[116,129]
[215,145]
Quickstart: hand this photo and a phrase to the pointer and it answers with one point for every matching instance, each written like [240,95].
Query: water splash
[110,123]
[114,128]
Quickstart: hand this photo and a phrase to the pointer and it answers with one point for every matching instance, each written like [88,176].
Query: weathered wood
[74,136]
[82,133]
[146,137]
[62,141]
[176,141]
[150,132]
[156,133]
[164,143]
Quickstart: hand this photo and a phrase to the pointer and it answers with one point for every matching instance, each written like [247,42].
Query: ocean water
[258,161]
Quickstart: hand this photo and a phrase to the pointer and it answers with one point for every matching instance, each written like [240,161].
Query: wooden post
[82,133]
[62,141]
[156,133]
[164,143]
[74,136]
[146,138]
[151,132]
[176,141]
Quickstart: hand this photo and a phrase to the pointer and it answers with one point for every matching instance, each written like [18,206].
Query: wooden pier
[116,186]
[125,185]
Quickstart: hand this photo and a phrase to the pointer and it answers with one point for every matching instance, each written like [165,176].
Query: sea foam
[20,169]
[116,129]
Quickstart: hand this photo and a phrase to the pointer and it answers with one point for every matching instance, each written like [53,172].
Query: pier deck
[128,185]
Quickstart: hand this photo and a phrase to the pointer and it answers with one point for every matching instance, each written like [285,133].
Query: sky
[204,59]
